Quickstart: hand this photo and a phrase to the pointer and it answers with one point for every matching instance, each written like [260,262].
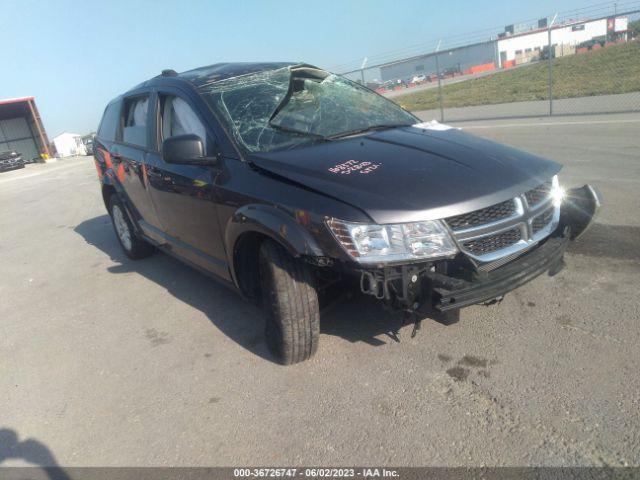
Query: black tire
[290,303]
[136,248]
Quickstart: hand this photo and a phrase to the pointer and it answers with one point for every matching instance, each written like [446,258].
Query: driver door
[184,195]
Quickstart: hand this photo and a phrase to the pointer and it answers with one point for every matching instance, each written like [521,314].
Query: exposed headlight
[371,243]
[557,192]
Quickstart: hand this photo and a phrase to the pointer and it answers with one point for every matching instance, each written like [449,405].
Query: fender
[274,223]
[108,176]
[106,173]
[119,191]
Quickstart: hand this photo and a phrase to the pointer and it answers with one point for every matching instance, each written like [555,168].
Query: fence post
[550,65]
[439,82]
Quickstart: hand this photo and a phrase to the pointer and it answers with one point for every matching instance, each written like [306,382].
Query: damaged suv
[284,180]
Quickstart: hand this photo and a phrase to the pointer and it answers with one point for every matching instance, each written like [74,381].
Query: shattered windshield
[287,108]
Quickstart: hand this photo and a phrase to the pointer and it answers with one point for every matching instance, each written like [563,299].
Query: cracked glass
[292,107]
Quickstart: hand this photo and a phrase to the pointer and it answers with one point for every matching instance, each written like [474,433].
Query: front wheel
[134,247]
[290,302]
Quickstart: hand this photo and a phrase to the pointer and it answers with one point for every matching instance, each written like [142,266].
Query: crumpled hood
[411,173]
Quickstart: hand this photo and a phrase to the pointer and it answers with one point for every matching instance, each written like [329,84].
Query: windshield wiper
[298,132]
[370,128]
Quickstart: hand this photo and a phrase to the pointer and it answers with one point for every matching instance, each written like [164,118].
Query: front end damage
[450,284]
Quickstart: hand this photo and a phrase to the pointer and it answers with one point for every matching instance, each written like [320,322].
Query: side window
[134,126]
[178,118]
[109,124]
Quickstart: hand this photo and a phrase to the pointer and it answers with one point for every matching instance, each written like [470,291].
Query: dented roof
[222,71]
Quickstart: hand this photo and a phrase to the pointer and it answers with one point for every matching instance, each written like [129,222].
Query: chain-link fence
[584,61]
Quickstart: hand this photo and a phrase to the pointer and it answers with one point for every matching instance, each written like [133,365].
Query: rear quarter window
[109,124]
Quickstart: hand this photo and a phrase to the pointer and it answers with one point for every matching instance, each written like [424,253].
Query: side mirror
[187,150]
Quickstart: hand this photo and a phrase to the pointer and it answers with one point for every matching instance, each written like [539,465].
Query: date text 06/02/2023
[314,473]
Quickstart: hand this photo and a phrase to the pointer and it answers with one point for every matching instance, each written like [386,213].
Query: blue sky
[74,56]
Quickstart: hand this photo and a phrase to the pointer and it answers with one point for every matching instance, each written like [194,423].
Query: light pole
[364,62]
[550,66]
[439,82]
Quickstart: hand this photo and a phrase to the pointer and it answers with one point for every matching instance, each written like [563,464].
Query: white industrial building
[516,45]
[69,144]
[520,47]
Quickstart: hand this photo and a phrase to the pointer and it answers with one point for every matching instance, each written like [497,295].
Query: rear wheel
[134,247]
[290,302]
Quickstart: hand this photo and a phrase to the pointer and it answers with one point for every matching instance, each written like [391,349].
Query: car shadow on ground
[360,320]
[618,242]
[31,451]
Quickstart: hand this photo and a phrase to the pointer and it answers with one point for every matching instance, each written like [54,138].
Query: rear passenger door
[184,195]
[130,158]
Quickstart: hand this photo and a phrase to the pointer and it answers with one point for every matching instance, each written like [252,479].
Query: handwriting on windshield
[352,166]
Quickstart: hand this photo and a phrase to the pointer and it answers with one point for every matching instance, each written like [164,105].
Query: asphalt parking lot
[106,361]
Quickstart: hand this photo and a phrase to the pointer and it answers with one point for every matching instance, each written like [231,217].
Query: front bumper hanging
[580,208]
[425,287]
[460,293]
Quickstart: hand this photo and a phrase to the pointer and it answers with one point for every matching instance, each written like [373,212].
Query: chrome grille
[536,195]
[492,243]
[506,229]
[482,216]
[488,266]
[542,220]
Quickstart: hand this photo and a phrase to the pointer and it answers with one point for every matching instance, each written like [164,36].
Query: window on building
[419,68]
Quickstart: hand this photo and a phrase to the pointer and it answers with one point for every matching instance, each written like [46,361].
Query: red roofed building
[21,128]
